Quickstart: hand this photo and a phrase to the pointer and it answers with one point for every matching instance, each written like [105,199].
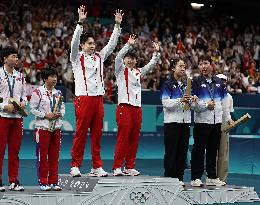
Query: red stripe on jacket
[126,82]
[83,69]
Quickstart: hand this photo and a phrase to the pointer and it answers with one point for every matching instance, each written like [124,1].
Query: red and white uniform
[47,143]
[89,89]
[129,113]
[88,69]
[129,80]
[41,103]
[11,125]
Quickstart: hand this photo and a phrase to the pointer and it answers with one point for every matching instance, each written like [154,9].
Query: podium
[127,190]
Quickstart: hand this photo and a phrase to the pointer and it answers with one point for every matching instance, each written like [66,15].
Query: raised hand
[118,16]
[156,47]
[131,39]
[82,13]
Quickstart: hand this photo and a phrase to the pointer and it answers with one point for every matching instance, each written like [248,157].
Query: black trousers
[206,136]
[176,141]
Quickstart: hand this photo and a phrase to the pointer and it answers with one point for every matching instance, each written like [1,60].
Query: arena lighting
[196,6]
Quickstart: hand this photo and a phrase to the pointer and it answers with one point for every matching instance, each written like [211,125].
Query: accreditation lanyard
[11,87]
[210,88]
[51,99]
[182,88]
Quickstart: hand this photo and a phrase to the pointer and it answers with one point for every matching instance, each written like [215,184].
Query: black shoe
[2,188]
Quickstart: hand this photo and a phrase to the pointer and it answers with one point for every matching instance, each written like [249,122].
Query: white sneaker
[131,172]
[182,183]
[55,187]
[196,183]
[214,182]
[74,172]
[99,172]
[15,186]
[45,187]
[118,172]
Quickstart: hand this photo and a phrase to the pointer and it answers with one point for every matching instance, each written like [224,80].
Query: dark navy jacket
[171,94]
[206,92]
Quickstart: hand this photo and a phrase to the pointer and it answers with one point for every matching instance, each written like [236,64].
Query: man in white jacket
[210,112]
[129,112]
[88,68]
[12,85]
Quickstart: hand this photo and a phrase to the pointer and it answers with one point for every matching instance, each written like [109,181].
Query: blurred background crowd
[42,31]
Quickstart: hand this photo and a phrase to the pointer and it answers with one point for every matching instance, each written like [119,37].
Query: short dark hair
[205,58]
[174,61]
[131,54]
[85,36]
[48,71]
[5,52]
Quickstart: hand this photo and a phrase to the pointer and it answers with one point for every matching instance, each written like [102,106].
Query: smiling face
[51,81]
[89,46]
[205,68]
[130,62]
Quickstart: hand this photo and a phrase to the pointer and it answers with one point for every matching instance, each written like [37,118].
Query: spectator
[45,32]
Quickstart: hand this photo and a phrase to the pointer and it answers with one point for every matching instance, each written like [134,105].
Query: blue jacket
[206,92]
[173,108]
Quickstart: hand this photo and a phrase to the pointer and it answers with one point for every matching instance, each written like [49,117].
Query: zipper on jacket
[214,116]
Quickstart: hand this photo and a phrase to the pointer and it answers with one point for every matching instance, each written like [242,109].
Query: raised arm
[119,61]
[77,33]
[156,55]
[108,49]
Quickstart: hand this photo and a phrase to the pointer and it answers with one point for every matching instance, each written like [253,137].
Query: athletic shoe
[131,172]
[214,182]
[55,187]
[2,188]
[182,183]
[15,186]
[118,172]
[196,183]
[74,172]
[99,172]
[45,187]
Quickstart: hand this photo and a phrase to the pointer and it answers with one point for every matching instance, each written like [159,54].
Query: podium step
[150,190]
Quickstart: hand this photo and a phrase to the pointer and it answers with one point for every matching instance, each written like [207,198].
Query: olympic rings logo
[137,197]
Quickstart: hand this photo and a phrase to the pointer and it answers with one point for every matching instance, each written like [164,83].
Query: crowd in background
[42,32]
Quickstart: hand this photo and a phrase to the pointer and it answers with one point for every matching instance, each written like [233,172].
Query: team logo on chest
[136,72]
[203,85]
